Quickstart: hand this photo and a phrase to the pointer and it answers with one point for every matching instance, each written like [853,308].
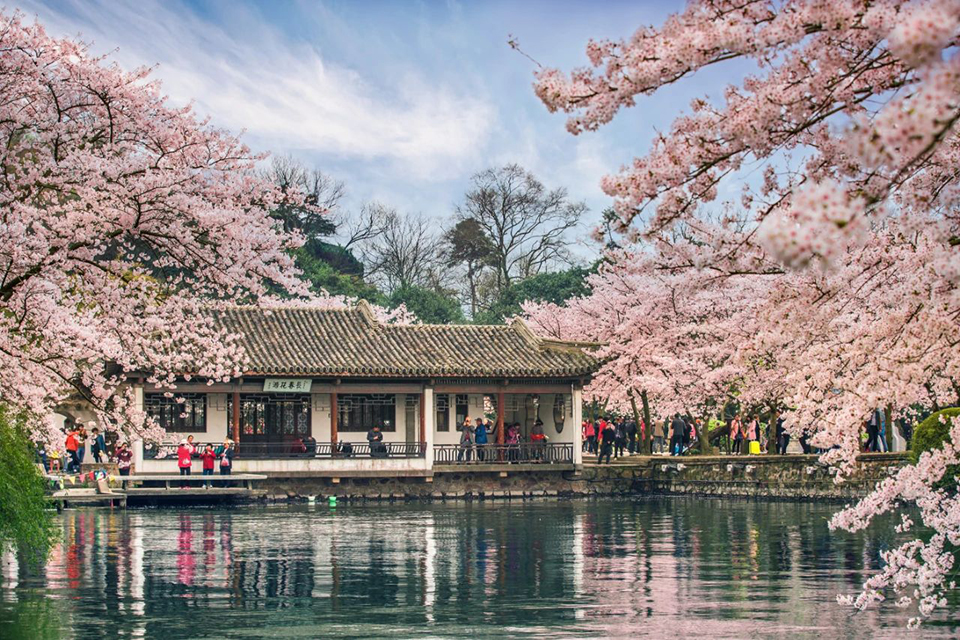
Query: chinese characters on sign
[287,385]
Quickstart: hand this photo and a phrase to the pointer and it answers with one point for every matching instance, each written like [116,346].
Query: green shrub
[931,433]
[25,522]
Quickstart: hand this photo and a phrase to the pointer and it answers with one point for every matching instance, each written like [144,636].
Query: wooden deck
[159,487]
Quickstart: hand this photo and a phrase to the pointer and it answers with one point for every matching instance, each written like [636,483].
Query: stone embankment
[795,477]
[791,477]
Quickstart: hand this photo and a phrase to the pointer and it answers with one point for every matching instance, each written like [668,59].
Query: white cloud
[283,93]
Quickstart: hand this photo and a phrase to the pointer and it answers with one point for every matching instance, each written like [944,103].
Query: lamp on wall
[559,406]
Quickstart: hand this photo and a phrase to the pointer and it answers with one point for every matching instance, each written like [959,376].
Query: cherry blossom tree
[843,262]
[123,219]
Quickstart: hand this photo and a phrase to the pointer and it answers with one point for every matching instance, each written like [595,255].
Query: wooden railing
[530,452]
[297,449]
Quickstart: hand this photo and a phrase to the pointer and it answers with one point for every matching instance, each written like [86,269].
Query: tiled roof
[351,342]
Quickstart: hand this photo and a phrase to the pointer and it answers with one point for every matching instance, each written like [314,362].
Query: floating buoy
[311,499]
[332,500]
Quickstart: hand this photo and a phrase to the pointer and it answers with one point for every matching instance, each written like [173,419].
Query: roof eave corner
[367,311]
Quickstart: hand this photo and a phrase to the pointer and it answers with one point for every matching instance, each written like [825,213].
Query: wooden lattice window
[443,412]
[361,411]
[182,413]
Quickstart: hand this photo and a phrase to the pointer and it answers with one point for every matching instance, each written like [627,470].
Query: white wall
[474,410]
[570,431]
[398,435]
[320,417]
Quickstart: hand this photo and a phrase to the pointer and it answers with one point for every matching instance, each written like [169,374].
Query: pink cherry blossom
[829,289]
[124,219]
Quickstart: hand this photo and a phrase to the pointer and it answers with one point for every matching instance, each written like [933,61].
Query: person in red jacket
[209,458]
[184,460]
[73,445]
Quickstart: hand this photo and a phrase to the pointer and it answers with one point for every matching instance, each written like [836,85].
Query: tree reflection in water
[657,567]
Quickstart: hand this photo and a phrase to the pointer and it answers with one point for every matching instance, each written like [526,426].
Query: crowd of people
[475,435]
[77,440]
[210,456]
[606,437]
[609,436]
[612,437]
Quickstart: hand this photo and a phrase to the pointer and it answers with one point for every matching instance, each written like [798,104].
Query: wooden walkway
[158,487]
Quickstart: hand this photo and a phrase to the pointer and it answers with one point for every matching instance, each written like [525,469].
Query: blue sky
[403,101]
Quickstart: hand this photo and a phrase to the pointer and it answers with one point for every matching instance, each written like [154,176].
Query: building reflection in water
[695,567]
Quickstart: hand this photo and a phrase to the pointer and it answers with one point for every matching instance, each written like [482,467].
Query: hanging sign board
[287,385]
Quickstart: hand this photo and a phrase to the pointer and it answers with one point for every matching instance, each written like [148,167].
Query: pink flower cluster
[851,118]
[822,222]
[923,30]
[123,220]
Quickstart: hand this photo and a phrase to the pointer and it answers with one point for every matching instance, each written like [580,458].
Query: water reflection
[669,567]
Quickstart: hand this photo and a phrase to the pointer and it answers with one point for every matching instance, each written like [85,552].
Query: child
[54,458]
[208,456]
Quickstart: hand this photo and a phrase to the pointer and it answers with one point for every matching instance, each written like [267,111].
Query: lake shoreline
[777,478]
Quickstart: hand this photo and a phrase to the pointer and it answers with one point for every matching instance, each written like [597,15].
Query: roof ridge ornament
[525,332]
[367,312]
[540,342]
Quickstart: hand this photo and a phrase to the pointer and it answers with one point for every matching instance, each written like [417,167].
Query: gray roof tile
[350,342]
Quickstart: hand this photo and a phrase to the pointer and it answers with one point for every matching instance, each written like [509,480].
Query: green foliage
[429,306]
[340,258]
[555,287]
[25,523]
[468,244]
[931,433]
[322,274]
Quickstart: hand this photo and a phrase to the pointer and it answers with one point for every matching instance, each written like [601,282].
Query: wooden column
[236,417]
[333,419]
[500,407]
[423,418]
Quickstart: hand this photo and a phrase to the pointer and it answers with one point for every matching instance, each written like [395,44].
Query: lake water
[670,567]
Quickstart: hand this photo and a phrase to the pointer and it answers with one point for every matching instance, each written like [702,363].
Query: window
[360,411]
[268,417]
[443,412]
[183,413]
[463,407]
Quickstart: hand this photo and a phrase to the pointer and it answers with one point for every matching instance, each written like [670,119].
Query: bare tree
[525,222]
[323,197]
[361,227]
[406,252]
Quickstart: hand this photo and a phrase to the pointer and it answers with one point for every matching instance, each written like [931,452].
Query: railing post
[333,423]
[423,418]
[500,412]
[236,418]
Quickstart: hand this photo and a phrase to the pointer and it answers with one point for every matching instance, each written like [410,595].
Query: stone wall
[783,477]
[442,486]
[788,477]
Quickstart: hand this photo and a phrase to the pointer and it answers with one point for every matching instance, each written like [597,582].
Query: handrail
[299,449]
[529,452]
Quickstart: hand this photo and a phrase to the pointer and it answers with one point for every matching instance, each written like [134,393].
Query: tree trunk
[773,431]
[648,432]
[703,437]
[888,432]
[636,419]
[471,278]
